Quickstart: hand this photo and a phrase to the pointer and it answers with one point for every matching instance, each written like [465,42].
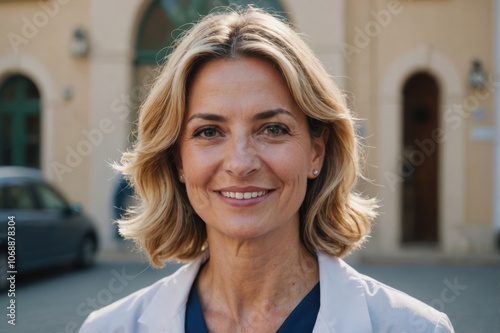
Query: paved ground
[59,301]
[468,294]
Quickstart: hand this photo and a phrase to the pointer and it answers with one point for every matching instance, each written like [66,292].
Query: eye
[207,132]
[276,130]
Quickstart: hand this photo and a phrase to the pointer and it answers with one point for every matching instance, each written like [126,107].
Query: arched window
[164,20]
[19,122]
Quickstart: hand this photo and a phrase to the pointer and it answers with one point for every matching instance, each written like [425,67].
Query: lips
[243,195]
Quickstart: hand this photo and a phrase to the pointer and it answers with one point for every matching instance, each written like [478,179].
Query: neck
[265,275]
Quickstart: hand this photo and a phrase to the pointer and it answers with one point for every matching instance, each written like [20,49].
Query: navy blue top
[300,320]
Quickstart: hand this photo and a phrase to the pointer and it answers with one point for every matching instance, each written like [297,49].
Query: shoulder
[390,309]
[383,308]
[156,304]
[123,314]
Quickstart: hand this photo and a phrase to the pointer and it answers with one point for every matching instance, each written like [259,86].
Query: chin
[242,230]
[245,233]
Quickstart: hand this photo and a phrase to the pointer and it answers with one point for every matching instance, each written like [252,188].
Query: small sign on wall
[483,133]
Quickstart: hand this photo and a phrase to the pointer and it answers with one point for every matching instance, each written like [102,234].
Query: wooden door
[421,160]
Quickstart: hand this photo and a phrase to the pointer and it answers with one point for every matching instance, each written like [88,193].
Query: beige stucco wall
[110,78]
[441,26]
[323,29]
[440,36]
[425,34]
[37,44]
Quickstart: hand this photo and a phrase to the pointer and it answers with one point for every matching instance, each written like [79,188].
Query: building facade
[422,76]
[409,65]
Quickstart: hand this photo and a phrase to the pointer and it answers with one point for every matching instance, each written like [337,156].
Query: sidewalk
[123,252]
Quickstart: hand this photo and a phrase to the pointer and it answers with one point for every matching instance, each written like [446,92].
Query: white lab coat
[350,302]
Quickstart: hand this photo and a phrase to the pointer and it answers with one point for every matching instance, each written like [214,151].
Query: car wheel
[4,283]
[87,252]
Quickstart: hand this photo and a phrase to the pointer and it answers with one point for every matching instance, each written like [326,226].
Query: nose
[241,158]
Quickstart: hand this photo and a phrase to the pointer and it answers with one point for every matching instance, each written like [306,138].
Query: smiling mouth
[243,195]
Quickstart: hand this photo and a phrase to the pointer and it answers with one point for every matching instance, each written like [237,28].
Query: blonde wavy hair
[334,218]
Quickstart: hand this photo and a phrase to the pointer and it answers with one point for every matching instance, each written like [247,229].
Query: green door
[19,122]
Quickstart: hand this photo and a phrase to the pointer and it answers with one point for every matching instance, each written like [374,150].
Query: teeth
[243,195]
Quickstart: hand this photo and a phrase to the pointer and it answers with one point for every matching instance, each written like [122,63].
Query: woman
[245,162]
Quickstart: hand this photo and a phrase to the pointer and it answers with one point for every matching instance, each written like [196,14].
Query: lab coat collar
[167,310]
[343,301]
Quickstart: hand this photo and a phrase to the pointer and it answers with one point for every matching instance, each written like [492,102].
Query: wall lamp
[79,43]
[477,75]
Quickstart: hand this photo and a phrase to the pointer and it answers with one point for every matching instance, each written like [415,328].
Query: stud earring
[181,178]
[315,172]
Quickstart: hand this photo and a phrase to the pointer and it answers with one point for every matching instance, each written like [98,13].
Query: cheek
[197,162]
[199,167]
[292,159]
[291,166]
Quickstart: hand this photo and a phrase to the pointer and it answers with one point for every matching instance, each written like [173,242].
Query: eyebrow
[206,116]
[271,113]
[259,116]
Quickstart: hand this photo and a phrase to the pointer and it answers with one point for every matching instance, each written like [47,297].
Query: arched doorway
[420,201]
[20,133]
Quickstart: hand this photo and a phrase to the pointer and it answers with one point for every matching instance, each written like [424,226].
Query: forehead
[250,68]
[238,84]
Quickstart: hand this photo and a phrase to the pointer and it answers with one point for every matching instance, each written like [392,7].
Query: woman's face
[245,152]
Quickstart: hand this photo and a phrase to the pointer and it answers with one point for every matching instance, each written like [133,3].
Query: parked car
[49,231]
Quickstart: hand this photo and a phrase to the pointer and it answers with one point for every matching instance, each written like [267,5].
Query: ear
[318,151]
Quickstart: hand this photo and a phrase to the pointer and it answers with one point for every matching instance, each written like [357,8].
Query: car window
[49,199]
[19,196]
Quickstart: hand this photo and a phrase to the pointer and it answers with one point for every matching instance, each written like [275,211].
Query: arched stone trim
[141,9]
[452,173]
[29,66]
[426,59]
